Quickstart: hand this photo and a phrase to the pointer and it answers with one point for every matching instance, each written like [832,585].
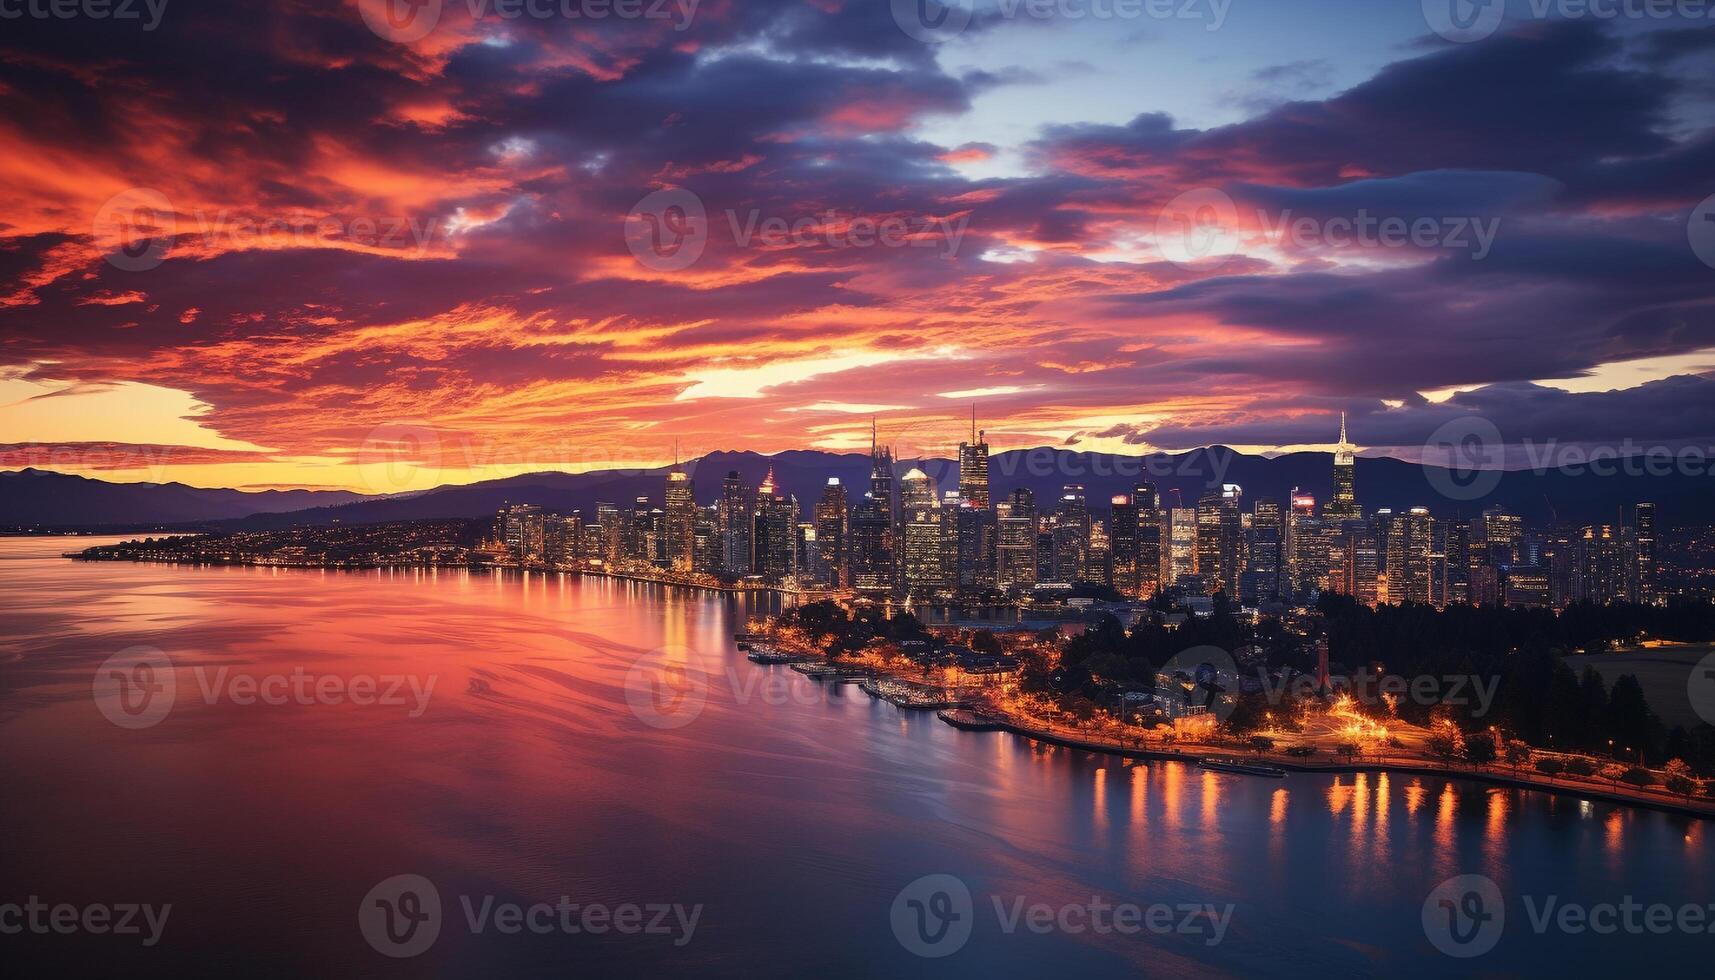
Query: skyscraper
[1344,506]
[1123,545]
[831,535]
[1072,535]
[1643,531]
[735,526]
[775,541]
[681,520]
[1219,526]
[1015,540]
[974,468]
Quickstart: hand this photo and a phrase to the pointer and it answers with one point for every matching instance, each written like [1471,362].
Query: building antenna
[973,423]
[1342,428]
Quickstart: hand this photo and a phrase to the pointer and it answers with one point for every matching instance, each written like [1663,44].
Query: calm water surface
[793,813]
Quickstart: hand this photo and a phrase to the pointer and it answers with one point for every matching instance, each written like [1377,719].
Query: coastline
[988,722]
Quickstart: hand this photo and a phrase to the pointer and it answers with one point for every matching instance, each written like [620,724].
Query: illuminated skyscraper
[1344,506]
[775,540]
[735,520]
[1123,545]
[681,520]
[1643,531]
[974,468]
[831,533]
[1072,536]
[1016,529]
[1219,525]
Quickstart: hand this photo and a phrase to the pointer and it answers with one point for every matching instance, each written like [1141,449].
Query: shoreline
[402,566]
[987,722]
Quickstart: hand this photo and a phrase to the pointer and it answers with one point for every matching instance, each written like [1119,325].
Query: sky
[388,244]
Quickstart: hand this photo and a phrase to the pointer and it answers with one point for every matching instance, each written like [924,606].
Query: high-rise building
[917,492]
[564,540]
[775,538]
[1605,564]
[923,563]
[522,528]
[1410,553]
[830,512]
[1180,561]
[974,468]
[1072,536]
[1219,526]
[1307,546]
[1264,553]
[1015,548]
[1344,506]
[1149,539]
[610,523]
[736,518]
[1643,532]
[681,520]
[1123,545]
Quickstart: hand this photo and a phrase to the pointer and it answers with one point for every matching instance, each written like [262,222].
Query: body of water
[328,731]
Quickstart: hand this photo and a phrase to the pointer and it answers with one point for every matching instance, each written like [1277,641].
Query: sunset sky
[351,252]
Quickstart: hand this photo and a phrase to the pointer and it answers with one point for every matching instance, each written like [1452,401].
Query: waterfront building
[680,524]
[736,523]
[775,542]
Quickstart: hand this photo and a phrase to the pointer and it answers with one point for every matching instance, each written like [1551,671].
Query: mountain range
[37,498]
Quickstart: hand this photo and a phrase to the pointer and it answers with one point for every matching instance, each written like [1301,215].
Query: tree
[1347,749]
[1443,742]
[1637,776]
[1678,779]
[1517,754]
[1480,749]
[1550,766]
[1261,743]
[1581,766]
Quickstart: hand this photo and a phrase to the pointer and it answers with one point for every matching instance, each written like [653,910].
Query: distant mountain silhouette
[35,497]
[1180,477]
[43,498]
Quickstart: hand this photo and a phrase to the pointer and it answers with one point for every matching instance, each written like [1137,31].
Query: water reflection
[797,819]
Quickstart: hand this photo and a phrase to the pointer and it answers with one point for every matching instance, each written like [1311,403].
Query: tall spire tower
[974,468]
[1344,506]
